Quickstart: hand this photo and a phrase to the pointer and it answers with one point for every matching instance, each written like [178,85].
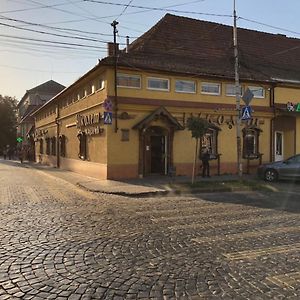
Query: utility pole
[114,25]
[237,96]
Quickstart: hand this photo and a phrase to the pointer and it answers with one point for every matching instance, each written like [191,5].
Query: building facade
[30,102]
[135,126]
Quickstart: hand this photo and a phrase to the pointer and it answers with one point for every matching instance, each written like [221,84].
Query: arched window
[48,146]
[251,142]
[62,145]
[41,146]
[53,146]
[82,145]
[210,141]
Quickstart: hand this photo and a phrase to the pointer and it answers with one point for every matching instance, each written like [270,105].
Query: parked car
[285,169]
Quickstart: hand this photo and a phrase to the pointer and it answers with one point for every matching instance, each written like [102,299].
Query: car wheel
[271,175]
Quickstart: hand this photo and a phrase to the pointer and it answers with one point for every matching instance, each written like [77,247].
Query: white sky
[26,63]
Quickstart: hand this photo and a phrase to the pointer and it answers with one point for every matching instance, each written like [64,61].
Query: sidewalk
[151,185]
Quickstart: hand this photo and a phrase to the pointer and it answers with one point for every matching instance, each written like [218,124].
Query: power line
[53,34]
[271,26]
[35,70]
[53,27]
[71,13]
[158,9]
[34,8]
[51,42]
[123,11]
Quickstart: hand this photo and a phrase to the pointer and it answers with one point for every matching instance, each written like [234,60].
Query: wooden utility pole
[237,96]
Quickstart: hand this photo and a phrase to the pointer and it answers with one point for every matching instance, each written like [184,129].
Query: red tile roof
[189,46]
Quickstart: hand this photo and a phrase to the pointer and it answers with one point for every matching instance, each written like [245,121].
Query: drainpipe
[272,105]
[57,136]
[114,25]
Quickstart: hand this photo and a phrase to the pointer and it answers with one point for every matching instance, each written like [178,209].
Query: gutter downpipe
[272,102]
[57,136]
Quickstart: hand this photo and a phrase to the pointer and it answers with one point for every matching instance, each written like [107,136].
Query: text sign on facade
[107,118]
[246,113]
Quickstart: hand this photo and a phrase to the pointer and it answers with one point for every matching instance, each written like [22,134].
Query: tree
[198,127]
[7,121]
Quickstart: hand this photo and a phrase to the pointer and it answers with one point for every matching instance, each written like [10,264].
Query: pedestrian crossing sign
[246,113]
[107,118]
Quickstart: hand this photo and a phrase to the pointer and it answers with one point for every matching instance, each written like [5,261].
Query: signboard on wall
[290,106]
[107,118]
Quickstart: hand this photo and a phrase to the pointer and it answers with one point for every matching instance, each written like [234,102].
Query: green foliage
[197,126]
[7,121]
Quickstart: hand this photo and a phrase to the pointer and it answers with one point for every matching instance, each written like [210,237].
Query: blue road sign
[246,113]
[107,118]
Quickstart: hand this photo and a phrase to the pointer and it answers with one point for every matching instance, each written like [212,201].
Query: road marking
[247,234]
[31,195]
[4,195]
[252,254]
[214,223]
[238,211]
[287,280]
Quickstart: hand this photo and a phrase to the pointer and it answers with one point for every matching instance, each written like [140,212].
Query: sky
[63,39]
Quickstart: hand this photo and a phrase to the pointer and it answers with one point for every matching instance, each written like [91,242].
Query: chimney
[111,48]
[127,43]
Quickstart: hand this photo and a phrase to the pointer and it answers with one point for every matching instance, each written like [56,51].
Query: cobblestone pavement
[60,242]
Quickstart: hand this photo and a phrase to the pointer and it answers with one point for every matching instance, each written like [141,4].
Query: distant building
[30,102]
[181,67]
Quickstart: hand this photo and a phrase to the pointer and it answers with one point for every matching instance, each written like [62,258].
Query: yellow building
[180,68]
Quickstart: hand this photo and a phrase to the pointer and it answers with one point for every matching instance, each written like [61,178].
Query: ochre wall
[110,157]
[143,92]
[283,95]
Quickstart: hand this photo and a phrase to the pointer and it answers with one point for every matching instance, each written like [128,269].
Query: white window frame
[99,87]
[253,87]
[232,85]
[158,89]
[187,81]
[132,76]
[211,84]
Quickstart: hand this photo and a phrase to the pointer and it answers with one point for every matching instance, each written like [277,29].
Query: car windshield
[294,159]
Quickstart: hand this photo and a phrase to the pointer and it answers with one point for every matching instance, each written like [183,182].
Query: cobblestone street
[61,242]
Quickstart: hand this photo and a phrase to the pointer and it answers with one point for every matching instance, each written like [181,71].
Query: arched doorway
[156,150]
[156,134]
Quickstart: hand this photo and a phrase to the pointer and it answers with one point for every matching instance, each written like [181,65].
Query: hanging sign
[246,113]
[107,118]
[293,107]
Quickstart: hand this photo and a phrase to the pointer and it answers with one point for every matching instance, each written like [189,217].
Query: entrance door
[156,151]
[278,145]
[157,154]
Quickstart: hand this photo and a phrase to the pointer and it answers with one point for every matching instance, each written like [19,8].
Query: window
[209,141]
[210,88]
[258,92]
[82,146]
[129,81]
[41,146]
[48,146]
[159,84]
[62,145]
[100,84]
[125,135]
[185,86]
[251,143]
[53,146]
[230,90]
